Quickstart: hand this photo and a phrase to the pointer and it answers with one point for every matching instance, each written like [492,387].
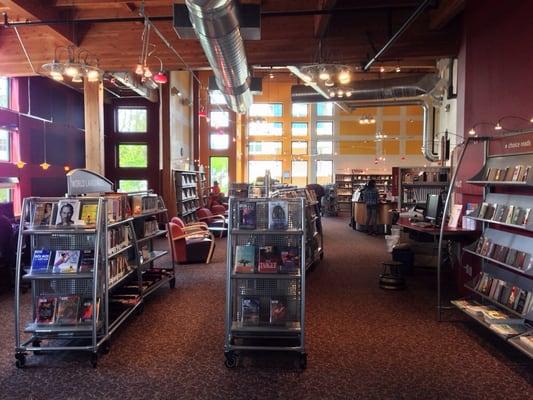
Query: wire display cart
[265,287]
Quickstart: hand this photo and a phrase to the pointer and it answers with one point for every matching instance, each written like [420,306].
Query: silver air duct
[217,27]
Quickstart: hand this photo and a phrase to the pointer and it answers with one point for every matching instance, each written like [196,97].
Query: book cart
[265,300]
[502,293]
[107,268]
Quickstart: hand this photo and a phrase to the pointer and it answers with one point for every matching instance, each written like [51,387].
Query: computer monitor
[433,208]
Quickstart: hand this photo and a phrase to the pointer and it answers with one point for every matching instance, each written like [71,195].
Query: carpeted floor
[362,342]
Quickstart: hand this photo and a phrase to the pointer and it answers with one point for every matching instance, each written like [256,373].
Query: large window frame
[276,169]
[5,155]
[261,110]
[145,145]
[265,128]
[6,195]
[324,179]
[5,94]
[265,146]
[131,108]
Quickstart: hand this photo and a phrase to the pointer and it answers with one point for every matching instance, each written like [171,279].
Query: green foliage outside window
[130,185]
[133,156]
[219,172]
[4,195]
[132,120]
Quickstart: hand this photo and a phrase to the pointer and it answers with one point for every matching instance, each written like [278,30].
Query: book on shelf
[516,173]
[40,261]
[42,214]
[247,216]
[500,213]
[455,215]
[245,258]
[497,174]
[527,214]
[485,248]
[509,216]
[67,310]
[290,259]
[87,310]
[86,261]
[278,215]
[66,261]
[511,257]
[278,311]
[520,259]
[491,209]
[88,213]
[250,307]
[525,176]
[269,259]
[68,212]
[482,210]
[500,317]
[527,340]
[45,310]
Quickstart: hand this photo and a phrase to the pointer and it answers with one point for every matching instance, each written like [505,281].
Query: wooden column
[167,184]
[94,126]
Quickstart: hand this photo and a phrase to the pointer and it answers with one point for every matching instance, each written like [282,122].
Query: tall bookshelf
[187,195]
[415,183]
[347,184]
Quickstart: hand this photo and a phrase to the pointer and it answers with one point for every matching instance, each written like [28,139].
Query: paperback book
[68,211]
[67,310]
[244,258]
[66,261]
[86,312]
[88,213]
[46,310]
[290,260]
[278,311]
[40,261]
[455,214]
[86,261]
[42,214]
[278,215]
[247,216]
[269,259]
[250,311]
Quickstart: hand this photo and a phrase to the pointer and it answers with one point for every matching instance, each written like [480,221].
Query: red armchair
[191,247]
[191,226]
[215,223]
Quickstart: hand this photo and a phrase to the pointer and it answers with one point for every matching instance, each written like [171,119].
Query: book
[244,258]
[526,216]
[250,311]
[521,301]
[488,174]
[278,215]
[482,210]
[86,310]
[278,311]
[490,211]
[42,214]
[67,310]
[504,174]
[525,176]
[499,213]
[290,260]
[520,259]
[88,213]
[40,261]
[527,341]
[485,249]
[45,310]
[269,260]
[516,172]
[455,214]
[68,211]
[508,330]
[511,257]
[492,174]
[66,261]
[500,317]
[498,174]
[479,244]
[509,216]
[518,216]
[247,217]
[86,261]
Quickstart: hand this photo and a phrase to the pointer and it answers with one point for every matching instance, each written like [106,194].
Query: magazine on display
[67,310]
[88,213]
[40,261]
[278,311]
[245,258]
[247,216]
[278,217]
[66,261]
[290,260]
[42,214]
[46,310]
[269,259]
[68,211]
[250,311]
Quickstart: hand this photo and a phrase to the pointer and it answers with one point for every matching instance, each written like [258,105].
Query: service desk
[384,216]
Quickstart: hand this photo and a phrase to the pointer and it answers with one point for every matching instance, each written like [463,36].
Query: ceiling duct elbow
[217,26]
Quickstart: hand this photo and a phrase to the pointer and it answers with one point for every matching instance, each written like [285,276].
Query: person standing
[371,199]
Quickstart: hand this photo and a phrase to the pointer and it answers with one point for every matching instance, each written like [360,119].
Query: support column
[167,183]
[93,102]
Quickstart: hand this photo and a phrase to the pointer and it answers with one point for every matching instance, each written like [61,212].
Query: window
[324,147]
[299,173]
[4,145]
[132,155]
[324,128]
[257,169]
[218,169]
[5,195]
[131,185]
[264,148]
[132,120]
[265,128]
[299,110]
[299,129]
[299,148]
[216,97]
[324,172]
[324,109]
[4,92]
[266,110]
[219,119]
[219,141]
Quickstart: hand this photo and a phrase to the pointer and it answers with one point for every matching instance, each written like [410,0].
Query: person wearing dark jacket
[371,199]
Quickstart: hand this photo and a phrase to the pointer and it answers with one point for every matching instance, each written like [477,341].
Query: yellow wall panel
[413,146]
[414,127]
[391,127]
[357,147]
[391,147]
[414,111]
[372,111]
[355,128]
[391,110]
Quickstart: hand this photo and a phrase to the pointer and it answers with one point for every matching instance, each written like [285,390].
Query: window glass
[5,195]
[299,173]
[218,170]
[132,155]
[257,169]
[299,129]
[299,110]
[4,145]
[132,185]
[4,92]
[216,97]
[324,109]
[219,119]
[266,110]
[219,141]
[265,128]
[264,148]
[299,148]
[324,128]
[324,172]
[324,147]
[132,120]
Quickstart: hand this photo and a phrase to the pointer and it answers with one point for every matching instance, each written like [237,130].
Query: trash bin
[403,253]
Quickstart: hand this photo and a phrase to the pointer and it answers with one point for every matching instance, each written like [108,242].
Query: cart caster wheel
[21,360]
[94,360]
[231,360]
[106,347]
[37,343]
[172,283]
[302,361]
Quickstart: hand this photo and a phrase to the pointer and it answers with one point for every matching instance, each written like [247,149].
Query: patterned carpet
[362,342]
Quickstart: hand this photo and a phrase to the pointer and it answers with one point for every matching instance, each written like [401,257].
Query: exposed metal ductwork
[408,90]
[217,26]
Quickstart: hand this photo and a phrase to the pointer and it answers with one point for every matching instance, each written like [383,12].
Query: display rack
[187,195]
[505,249]
[265,306]
[415,183]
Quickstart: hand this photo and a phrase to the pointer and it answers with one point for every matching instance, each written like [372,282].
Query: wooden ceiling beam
[448,10]
[32,10]
[322,21]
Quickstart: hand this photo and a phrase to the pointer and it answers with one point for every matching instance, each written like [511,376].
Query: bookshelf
[188,197]
[415,183]
[347,184]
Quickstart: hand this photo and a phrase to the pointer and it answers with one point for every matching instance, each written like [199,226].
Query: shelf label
[518,144]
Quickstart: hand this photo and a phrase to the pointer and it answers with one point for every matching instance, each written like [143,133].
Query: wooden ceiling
[350,32]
